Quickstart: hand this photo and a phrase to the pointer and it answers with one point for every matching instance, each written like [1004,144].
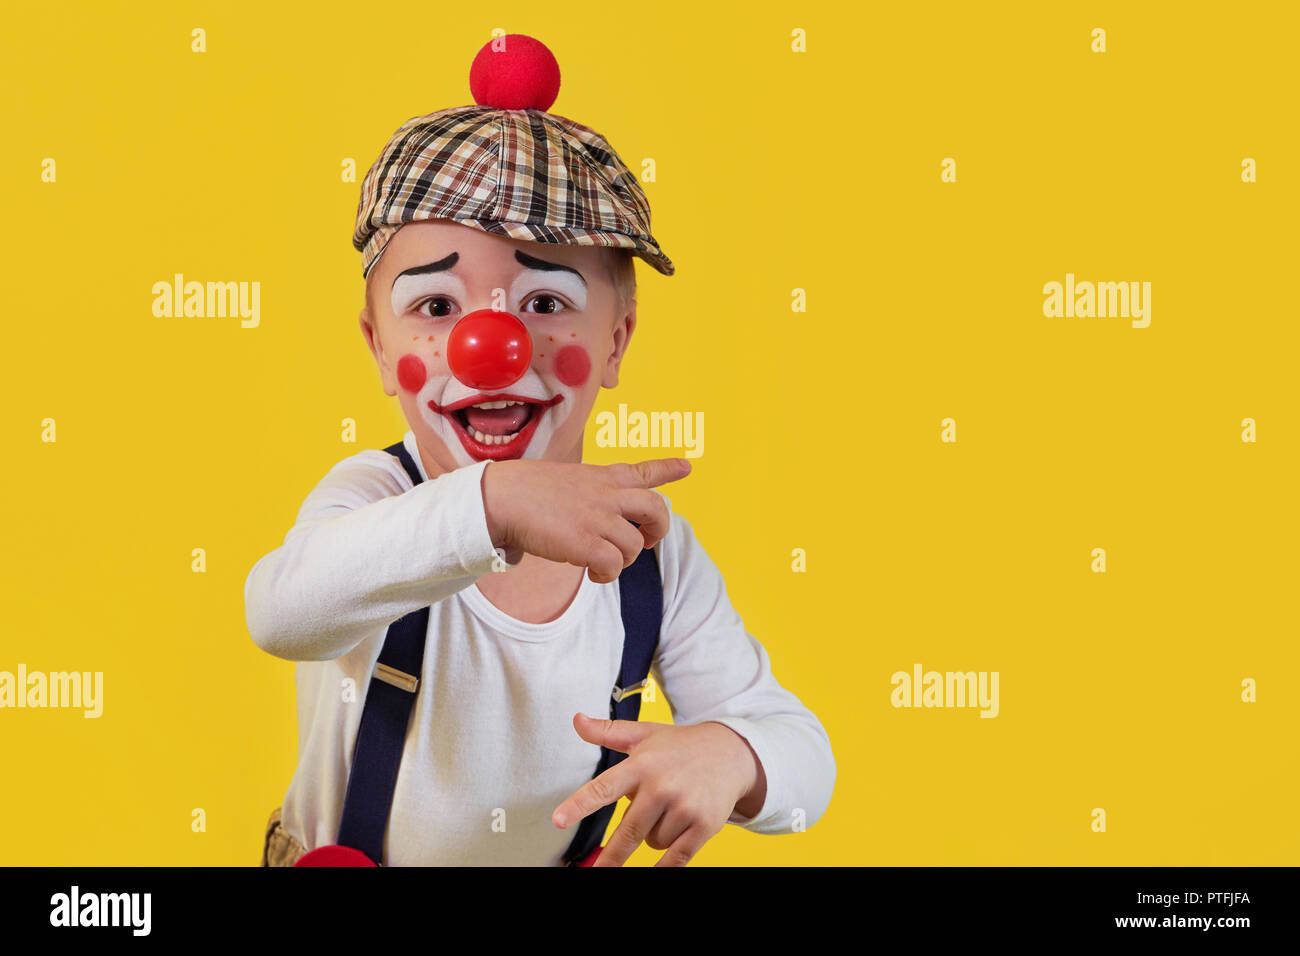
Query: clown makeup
[567,323]
[474,424]
[566,281]
[431,280]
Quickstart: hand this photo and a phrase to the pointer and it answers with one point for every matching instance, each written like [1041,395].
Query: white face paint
[445,389]
[533,282]
[408,290]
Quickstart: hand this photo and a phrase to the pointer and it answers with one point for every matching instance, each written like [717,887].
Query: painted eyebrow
[533,263]
[442,265]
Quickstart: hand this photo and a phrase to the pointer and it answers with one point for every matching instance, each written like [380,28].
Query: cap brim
[647,249]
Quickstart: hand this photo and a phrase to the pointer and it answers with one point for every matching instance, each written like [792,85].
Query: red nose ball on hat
[515,72]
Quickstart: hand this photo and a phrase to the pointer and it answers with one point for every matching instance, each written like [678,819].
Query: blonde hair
[623,273]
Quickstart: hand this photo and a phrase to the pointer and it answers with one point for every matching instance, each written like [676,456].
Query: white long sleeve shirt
[491,750]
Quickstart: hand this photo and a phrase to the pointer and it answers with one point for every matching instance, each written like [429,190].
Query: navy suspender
[395,683]
[641,594]
[382,733]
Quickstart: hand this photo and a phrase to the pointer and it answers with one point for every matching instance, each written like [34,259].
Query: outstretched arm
[367,549]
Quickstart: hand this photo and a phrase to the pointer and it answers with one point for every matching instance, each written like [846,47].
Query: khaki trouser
[280,848]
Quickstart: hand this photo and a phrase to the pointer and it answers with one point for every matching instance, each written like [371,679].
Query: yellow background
[776,171]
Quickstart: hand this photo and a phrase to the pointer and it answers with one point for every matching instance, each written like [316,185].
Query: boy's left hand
[685,782]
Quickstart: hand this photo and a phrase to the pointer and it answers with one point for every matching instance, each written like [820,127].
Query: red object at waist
[335,856]
[347,856]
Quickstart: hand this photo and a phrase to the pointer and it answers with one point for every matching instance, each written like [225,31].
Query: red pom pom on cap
[515,72]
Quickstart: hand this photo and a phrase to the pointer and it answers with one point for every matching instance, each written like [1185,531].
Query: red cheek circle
[410,373]
[573,366]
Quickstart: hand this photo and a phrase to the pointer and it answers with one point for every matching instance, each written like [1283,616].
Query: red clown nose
[489,350]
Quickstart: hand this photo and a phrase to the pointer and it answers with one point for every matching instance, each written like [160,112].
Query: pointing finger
[655,471]
[600,791]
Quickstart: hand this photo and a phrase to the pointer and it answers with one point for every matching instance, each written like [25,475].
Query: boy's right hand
[578,513]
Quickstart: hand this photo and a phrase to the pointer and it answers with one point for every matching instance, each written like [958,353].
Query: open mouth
[495,426]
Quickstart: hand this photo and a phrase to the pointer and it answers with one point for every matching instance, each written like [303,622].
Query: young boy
[497,242]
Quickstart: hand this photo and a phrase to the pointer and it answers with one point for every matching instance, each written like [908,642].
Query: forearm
[795,773]
[337,578]
[751,770]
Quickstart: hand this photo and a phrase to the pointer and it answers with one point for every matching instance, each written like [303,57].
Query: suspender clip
[637,688]
[399,679]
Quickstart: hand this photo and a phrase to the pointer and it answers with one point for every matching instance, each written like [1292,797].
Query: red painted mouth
[493,450]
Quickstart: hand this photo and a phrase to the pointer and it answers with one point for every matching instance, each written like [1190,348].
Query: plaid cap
[523,174]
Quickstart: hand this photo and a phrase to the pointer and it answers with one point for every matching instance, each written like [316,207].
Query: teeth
[501,404]
[493,439]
